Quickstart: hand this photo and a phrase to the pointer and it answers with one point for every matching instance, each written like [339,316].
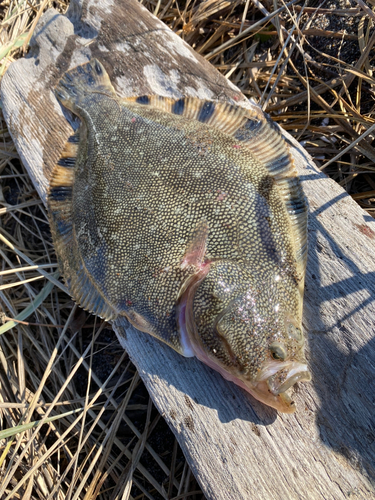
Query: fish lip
[295,375]
[281,402]
[276,379]
[282,376]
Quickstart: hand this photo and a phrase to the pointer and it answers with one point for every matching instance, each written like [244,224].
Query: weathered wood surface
[237,447]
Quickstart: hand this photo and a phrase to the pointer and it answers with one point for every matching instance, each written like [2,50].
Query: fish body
[187,218]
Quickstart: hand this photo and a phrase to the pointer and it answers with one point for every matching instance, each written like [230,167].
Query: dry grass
[76,421]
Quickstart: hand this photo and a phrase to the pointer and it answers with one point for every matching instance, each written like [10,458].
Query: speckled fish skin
[173,214]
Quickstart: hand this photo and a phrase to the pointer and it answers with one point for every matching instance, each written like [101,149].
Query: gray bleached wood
[236,447]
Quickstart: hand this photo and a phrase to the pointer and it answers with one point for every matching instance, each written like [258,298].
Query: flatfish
[187,217]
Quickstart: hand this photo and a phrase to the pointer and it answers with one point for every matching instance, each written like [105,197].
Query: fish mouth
[271,385]
[276,379]
[272,390]
[297,372]
[281,402]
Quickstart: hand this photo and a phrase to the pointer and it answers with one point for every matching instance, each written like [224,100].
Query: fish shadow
[342,364]
[196,381]
[346,390]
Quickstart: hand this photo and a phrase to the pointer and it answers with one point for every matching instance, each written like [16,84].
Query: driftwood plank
[237,447]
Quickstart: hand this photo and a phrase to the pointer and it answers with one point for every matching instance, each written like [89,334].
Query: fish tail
[81,82]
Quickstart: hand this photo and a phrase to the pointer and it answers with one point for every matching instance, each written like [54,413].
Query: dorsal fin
[256,131]
[59,201]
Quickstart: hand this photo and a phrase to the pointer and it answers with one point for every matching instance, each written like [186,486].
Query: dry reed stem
[312,69]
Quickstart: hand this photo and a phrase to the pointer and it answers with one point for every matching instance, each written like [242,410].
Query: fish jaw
[264,389]
[276,379]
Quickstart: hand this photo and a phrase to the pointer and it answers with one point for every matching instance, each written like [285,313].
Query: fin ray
[59,201]
[78,83]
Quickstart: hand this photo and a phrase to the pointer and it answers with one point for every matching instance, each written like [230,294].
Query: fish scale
[188,218]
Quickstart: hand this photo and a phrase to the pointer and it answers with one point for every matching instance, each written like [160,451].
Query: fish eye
[221,326]
[294,332]
[278,351]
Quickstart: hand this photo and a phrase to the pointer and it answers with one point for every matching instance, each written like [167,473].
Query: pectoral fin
[196,249]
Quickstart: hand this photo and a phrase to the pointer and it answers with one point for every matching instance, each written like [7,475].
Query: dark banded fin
[59,201]
[59,197]
[78,83]
[69,153]
[178,107]
[60,193]
[226,117]
[143,100]
[67,162]
[206,111]
[217,114]
[74,139]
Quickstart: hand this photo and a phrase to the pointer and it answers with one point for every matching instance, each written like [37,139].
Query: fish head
[254,338]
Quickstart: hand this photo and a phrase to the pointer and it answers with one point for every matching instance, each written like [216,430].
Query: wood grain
[237,447]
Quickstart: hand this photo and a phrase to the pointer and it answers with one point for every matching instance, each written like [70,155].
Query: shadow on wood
[345,387]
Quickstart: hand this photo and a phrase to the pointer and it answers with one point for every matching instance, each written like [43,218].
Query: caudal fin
[77,84]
